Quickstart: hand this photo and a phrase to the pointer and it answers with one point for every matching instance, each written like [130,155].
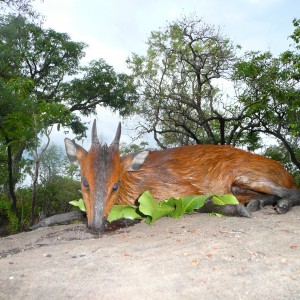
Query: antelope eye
[84,182]
[116,186]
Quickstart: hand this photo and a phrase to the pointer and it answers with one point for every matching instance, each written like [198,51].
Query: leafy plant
[79,203]
[126,212]
[152,210]
[6,212]
[176,207]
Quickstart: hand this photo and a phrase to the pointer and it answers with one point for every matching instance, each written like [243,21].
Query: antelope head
[100,168]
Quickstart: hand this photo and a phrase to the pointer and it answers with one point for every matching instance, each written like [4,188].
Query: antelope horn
[94,133]
[117,136]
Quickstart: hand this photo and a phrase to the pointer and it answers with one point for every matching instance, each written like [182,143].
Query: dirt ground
[195,257]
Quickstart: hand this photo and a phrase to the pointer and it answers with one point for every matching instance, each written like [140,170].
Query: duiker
[108,179]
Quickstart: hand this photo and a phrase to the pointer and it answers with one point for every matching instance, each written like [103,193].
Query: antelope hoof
[243,211]
[255,205]
[283,206]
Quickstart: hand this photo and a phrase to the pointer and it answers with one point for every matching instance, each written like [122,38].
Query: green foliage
[132,148]
[178,81]
[268,87]
[280,154]
[43,83]
[124,211]
[24,207]
[79,203]
[54,191]
[277,153]
[43,58]
[153,210]
[46,60]
[100,84]
[251,139]
[6,213]
[296,34]
[54,195]
[181,102]
[176,207]
[53,162]
[20,7]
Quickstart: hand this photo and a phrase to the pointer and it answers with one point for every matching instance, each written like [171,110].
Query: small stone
[195,262]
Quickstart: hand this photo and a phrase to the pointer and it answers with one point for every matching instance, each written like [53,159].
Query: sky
[114,29]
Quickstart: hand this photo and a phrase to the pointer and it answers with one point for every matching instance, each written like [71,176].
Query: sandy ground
[195,257]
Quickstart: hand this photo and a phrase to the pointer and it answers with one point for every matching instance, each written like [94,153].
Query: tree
[43,83]
[269,87]
[20,7]
[132,148]
[57,186]
[178,81]
[13,135]
[54,162]
[49,59]
[37,154]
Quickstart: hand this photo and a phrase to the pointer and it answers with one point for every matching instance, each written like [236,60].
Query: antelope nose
[98,224]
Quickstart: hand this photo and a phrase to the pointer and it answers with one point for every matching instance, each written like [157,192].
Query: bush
[7,216]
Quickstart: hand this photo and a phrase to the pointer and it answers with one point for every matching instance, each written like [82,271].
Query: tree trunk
[11,182]
[34,188]
[37,155]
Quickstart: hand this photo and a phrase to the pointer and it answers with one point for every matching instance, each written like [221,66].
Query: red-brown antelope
[108,179]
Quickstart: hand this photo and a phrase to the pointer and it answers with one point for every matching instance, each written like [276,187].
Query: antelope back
[201,169]
[100,167]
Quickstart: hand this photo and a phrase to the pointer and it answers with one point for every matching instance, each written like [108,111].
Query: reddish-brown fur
[202,169]
[187,170]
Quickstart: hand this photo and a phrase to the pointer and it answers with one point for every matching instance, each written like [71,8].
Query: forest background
[191,84]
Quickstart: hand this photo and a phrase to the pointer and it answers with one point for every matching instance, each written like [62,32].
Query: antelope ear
[74,151]
[138,161]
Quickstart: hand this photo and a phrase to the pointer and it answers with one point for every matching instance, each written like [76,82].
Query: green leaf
[79,203]
[124,211]
[153,209]
[224,199]
[187,204]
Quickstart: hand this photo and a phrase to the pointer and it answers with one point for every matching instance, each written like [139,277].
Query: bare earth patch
[195,257]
